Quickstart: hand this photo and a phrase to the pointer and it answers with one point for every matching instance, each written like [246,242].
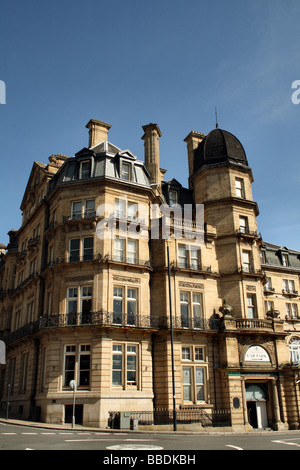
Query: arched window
[294,346]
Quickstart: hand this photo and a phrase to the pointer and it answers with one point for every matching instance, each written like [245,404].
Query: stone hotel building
[208,326]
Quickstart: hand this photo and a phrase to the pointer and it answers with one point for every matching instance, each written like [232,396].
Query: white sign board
[257,354]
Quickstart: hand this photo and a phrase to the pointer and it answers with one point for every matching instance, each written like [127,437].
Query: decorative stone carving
[226,309]
[273,313]
[251,288]
[134,280]
[192,285]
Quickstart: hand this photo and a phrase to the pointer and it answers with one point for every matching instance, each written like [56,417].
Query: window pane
[200,383]
[84,378]
[72,306]
[173,197]
[120,209]
[184,309]
[74,249]
[117,377]
[125,171]
[69,368]
[246,261]
[89,208]
[198,354]
[187,384]
[131,294]
[200,392]
[119,249]
[88,248]
[239,187]
[251,306]
[85,170]
[194,258]
[118,305]
[131,306]
[131,369]
[186,353]
[243,224]
[76,210]
[131,251]
[132,211]
[117,369]
[182,258]
[199,376]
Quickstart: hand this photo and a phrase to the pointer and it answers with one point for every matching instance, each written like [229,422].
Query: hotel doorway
[257,398]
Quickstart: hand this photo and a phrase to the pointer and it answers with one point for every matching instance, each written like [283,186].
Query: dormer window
[85,169]
[285,259]
[173,198]
[125,171]
[263,258]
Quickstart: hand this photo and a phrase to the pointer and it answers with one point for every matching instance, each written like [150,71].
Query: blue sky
[132,62]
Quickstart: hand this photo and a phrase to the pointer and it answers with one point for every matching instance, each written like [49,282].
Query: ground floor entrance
[257,398]
[257,414]
[78,413]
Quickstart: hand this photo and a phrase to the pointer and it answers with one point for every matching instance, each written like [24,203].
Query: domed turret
[217,147]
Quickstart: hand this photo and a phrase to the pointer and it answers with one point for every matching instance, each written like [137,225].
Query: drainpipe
[33,394]
[214,370]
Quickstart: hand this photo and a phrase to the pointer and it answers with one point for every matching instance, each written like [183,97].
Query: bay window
[79,304]
[191,309]
[188,257]
[81,249]
[125,365]
[124,305]
[193,375]
[83,209]
[125,250]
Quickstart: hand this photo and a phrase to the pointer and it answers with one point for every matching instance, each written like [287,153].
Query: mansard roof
[274,256]
[106,162]
[185,195]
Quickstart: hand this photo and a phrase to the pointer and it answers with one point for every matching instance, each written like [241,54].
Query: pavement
[35,424]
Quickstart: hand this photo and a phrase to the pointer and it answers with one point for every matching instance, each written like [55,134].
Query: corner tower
[222,181]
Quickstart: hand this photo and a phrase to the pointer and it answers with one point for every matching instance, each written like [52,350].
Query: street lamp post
[172,346]
[7,403]
[73,387]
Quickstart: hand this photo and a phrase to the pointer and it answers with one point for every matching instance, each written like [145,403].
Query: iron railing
[72,259]
[213,418]
[106,319]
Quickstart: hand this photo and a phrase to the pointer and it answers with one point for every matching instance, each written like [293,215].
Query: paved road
[19,437]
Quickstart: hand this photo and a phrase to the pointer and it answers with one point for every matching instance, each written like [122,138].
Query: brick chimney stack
[192,140]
